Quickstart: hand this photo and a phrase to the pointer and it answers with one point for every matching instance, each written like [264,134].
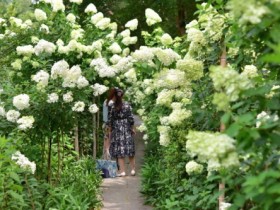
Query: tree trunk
[181,17]
[76,143]
[58,155]
[49,160]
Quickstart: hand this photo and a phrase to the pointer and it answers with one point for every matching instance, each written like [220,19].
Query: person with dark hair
[106,108]
[121,127]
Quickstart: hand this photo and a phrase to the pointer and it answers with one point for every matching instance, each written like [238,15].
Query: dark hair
[111,94]
[118,95]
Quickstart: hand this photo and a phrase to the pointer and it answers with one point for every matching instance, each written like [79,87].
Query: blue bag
[108,167]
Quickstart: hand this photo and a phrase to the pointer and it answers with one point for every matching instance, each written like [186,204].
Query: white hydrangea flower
[71,18]
[215,149]
[125,33]
[193,167]
[144,54]
[152,17]
[131,75]
[171,79]
[26,50]
[52,98]
[12,115]
[115,48]
[78,106]
[23,162]
[42,78]
[97,45]
[40,15]
[192,67]
[17,64]
[44,46]
[93,108]
[125,52]
[59,42]
[192,24]
[34,39]
[91,9]
[2,111]
[76,34]
[44,28]
[165,97]
[97,17]
[2,21]
[103,23]
[16,21]
[82,82]
[225,206]
[124,64]
[21,101]
[68,97]
[264,117]
[72,76]
[59,68]
[164,139]
[141,112]
[115,59]
[99,89]
[196,36]
[102,68]
[129,40]
[142,127]
[166,39]
[25,122]
[250,71]
[167,56]
[57,5]
[76,1]
[178,115]
[132,24]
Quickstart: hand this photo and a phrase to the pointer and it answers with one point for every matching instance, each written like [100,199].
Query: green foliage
[78,187]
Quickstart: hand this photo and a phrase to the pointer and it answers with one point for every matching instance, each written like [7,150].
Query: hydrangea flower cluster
[99,89]
[171,79]
[193,167]
[165,97]
[52,98]
[164,138]
[192,67]
[12,115]
[152,17]
[24,162]
[215,149]
[265,118]
[21,101]
[93,108]
[230,84]
[25,122]
[78,106]
[250,11]
[42,79]
[102,68]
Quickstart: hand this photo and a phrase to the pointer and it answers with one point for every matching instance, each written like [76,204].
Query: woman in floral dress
[121,124]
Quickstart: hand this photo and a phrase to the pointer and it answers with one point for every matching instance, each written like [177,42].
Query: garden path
[123,193]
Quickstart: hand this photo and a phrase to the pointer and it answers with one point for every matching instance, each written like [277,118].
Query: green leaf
[14,176]
[233,129]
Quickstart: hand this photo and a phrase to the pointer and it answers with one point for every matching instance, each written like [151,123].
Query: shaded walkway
[122,193]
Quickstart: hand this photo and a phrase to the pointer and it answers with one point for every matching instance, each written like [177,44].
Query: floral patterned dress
[121,122]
